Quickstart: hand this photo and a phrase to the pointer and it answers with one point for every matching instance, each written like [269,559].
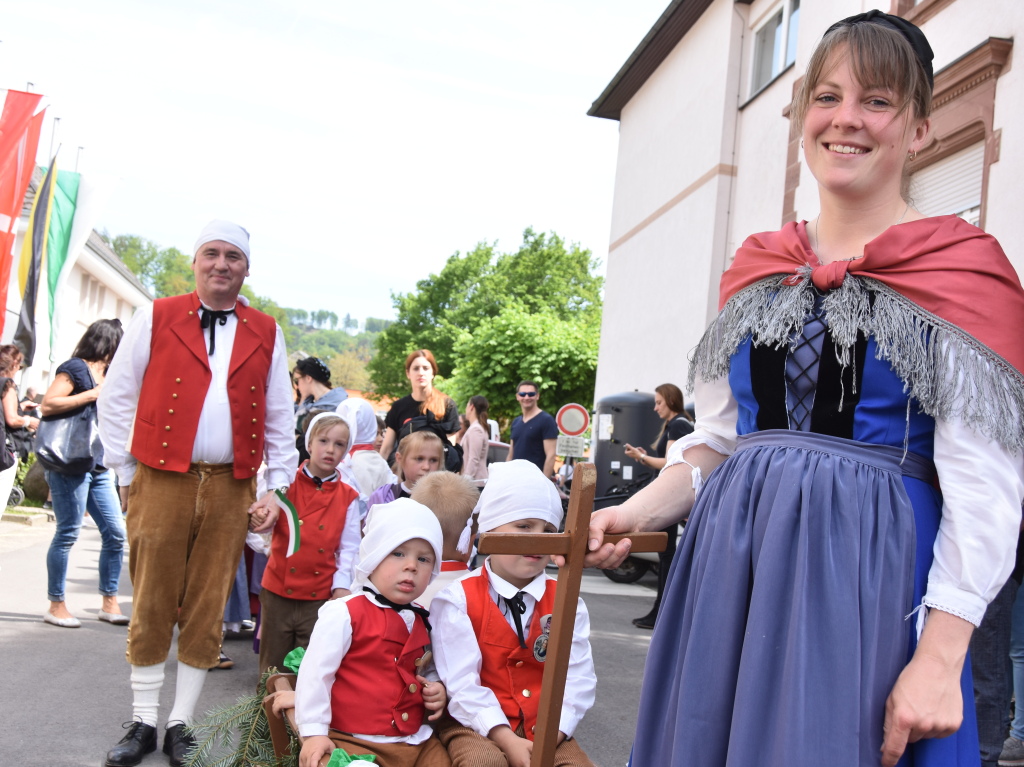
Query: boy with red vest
[365,683]
[491,631]
[312,554]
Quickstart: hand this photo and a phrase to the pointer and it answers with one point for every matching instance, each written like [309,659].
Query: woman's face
[661,408]
[303,384]
[855,139]
[470,412]
[420,373]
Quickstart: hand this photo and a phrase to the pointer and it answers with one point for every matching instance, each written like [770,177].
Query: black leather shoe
[647,622]
[139,741]
[177,744]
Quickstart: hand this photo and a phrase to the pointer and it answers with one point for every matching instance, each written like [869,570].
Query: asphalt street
[66,691]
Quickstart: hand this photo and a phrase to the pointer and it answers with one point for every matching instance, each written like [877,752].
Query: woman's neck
[318,390]
[421,394]
[842,230]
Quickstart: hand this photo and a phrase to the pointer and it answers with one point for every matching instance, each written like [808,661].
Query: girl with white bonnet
[363,461]
[491,632]
[340,701]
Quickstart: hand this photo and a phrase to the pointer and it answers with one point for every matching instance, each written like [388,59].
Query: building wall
[668,249]
[94,290]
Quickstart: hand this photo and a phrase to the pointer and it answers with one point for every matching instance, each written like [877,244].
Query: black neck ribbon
[209,318]
[423,612]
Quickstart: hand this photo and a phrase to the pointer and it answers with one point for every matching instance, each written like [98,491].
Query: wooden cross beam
[572,544]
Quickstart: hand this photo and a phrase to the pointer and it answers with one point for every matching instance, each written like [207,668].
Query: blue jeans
[1017,657]
[72,495]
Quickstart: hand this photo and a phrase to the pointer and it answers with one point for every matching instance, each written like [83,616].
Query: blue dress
[788,613]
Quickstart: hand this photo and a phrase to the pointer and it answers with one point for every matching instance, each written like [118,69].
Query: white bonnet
[389,525]
[515,490]
[218,229]
[363,421]
[318,416]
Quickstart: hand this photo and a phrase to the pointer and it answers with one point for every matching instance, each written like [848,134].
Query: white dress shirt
[331,640]
[982,487]
[213,444]
[458,658]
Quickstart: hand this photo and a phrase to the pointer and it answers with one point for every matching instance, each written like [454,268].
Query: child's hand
[339,593]
[281,700]
[517,750]
[435,696]
[315,748]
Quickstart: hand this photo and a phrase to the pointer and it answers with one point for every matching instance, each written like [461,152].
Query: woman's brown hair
[437,401]
[673,397]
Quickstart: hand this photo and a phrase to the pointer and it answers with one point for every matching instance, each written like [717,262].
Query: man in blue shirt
[534,433]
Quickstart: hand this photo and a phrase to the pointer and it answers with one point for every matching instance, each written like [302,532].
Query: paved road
[65,691]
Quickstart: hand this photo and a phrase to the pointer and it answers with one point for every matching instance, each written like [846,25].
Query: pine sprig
[238,735]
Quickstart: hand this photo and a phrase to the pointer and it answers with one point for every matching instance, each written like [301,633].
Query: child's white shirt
[458,658]
[328,645]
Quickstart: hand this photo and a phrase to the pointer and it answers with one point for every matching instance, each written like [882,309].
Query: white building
[707,156]
[99,286]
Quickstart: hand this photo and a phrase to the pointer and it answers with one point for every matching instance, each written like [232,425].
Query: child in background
[364,462]
[491,631]
[364,684]
[418,454]
[452,498]
[296,586]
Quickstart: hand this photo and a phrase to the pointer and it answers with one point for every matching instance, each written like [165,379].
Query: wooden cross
[572,544]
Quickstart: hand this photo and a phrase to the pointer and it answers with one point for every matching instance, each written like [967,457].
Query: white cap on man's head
[388,526]
[225,231]
[515,490]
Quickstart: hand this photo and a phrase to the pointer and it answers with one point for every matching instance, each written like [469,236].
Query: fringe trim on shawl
[950,373]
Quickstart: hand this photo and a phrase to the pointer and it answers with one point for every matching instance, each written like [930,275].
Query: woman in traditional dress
[822,601]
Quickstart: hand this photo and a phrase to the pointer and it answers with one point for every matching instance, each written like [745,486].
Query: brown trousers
[284,625]
[429,753]
[466,748]
[186,532]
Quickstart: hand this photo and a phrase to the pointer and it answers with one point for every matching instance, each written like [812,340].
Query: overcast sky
[361,143]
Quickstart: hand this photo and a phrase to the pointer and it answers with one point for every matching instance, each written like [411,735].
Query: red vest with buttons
[511,672]
[178,376]
[375,691]
[309,572]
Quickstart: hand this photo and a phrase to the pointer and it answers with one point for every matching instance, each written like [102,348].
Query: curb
[30,518]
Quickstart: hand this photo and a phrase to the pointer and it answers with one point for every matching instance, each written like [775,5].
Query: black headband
[913,35]
[315,369]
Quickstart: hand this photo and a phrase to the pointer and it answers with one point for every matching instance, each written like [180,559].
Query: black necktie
[423,612]
[517,607]
[208,318]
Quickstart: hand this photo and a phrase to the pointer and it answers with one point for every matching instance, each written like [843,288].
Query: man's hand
[339,593]
[263,513]
[122,493]
[315,748]
[517,750]
[435,696]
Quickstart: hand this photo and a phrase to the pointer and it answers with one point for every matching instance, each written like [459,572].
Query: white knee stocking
[186,693]
[146,684]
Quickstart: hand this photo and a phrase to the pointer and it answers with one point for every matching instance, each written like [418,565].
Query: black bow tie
[209,318]
[423,612]
[517,607]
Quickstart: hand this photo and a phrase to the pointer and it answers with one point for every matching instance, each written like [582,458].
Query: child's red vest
[309,572]
[178,376]
[375,691]
[511,672]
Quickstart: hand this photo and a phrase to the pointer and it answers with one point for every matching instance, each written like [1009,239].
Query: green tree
[166,272]
[348,369]
[544,275]
[521,342]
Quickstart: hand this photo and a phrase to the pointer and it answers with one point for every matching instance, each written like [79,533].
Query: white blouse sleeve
[982,486]
[330,641]
[348,547]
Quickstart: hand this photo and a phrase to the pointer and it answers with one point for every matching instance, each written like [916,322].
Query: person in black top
[668,404]
[77,385]
[437,410]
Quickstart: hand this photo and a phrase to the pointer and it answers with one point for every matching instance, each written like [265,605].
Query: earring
[801,143]
[912,155]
